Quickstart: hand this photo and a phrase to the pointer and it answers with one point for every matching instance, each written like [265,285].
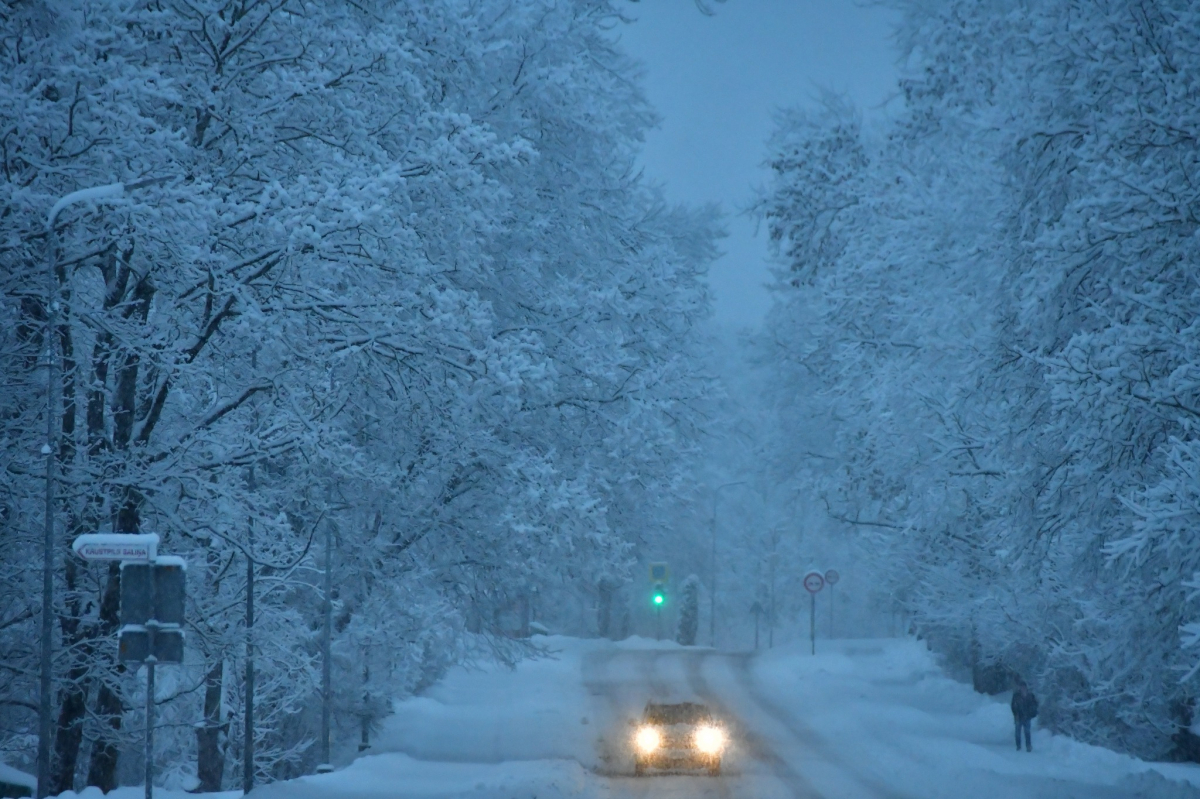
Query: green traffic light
[658,599]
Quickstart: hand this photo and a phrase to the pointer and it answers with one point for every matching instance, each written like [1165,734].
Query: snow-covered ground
[866,718]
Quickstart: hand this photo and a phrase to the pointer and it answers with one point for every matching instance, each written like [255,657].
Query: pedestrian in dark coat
[1024,709]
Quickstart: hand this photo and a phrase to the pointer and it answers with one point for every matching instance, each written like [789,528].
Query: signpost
[153,589]
[757,610]
[814,581]
[831,578]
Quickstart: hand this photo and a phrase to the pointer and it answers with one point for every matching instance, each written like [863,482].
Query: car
[684,735]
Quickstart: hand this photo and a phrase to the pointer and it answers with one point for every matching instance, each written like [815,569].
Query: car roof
[678,713]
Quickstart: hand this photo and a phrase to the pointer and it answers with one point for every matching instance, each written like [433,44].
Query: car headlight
[710,740]
[648,739]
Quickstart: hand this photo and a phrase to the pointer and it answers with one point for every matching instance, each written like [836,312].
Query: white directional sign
[116,546]
[814,582]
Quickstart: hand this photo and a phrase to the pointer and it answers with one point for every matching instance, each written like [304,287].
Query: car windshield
[683,713]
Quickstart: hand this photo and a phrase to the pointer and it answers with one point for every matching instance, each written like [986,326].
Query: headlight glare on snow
[648,739]
[710,740]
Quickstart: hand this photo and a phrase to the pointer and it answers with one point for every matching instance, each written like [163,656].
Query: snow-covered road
[873,719]
[774,754]
[863,719]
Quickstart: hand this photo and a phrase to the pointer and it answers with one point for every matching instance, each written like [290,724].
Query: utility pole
[325,765]
[248,736]
[756,610]
[49,449]
[248,742]
[712,565]
[771,603]
[364,742]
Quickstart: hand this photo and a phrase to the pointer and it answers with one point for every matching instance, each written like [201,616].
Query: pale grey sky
[717,81]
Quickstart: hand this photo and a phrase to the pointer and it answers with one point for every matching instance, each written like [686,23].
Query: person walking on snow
[1024,709]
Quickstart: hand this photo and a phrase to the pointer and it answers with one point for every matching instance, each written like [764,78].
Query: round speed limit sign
[832,576]
[814,582]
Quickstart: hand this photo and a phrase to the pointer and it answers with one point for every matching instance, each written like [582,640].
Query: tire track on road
[723,781]
[756,745]
[805,735]
[620,693]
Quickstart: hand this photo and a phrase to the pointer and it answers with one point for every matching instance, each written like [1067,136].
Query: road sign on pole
[831,578]
[813,583]
[659,573]
[134,645]
[153,591]
[152,598]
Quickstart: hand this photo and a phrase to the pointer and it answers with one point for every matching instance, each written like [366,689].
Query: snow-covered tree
[401,278]
[990,298]
[689,611]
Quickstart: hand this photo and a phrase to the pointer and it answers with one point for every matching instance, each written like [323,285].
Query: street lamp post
[712,566]
[50,449]
[326,764]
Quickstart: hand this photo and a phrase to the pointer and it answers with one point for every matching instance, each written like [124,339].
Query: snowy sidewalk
[885,708]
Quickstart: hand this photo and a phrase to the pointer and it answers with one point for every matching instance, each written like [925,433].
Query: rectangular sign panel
[134,645]
[160,598]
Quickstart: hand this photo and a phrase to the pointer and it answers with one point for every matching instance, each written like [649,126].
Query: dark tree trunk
[604,607]
[102,770]
[77,637]
[210,752]
[69,733]
[73,703]
[524,609]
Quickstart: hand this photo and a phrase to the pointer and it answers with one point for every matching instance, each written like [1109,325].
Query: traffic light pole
[658,596]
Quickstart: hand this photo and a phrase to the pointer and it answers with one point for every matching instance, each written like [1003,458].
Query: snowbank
[12,776]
